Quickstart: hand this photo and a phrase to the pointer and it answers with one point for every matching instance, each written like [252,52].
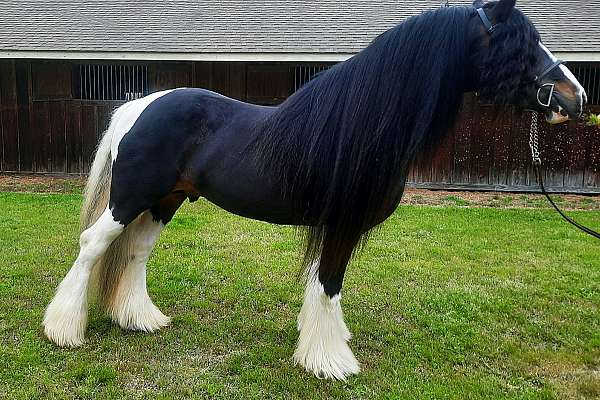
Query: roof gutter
[582,56]
[578,56]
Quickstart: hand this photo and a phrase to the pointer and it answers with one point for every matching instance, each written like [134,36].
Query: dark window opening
[302,74]
[589,77]
[112,82]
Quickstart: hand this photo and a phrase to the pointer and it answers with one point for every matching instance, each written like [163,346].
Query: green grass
[444,303]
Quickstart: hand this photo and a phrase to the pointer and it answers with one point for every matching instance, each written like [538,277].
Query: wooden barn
[65,66]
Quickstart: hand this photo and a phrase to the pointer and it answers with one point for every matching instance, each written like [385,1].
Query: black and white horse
[333,157]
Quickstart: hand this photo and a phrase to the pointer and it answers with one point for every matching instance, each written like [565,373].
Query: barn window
[112,82]
[304,73]
[589,77]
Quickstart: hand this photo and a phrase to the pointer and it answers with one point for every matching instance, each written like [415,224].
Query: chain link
[533,139]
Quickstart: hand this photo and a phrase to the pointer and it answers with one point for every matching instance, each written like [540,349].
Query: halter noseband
[538,80]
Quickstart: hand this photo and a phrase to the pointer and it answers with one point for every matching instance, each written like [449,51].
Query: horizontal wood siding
[44,128]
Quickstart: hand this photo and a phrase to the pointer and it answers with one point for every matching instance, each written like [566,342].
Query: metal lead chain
[537,163]
[533,139]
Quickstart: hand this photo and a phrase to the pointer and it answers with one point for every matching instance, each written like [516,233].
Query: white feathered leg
[322,347]
[66,316]
[131,306]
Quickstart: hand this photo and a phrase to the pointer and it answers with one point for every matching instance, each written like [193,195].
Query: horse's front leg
[323,344]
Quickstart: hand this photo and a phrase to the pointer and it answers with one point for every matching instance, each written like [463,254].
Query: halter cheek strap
[486,21]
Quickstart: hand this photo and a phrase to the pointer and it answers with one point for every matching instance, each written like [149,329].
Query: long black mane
[341,146]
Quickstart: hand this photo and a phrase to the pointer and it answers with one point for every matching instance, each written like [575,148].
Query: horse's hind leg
[66,315]
[130,305]
[323,343]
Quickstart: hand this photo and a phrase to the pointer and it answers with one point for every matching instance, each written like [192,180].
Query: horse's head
[512,66]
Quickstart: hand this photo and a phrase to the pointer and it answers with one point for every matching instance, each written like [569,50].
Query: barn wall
[43,128]
[46,129]
[9,117]
[490,151]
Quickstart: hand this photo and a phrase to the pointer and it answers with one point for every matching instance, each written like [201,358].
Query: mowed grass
[444,303]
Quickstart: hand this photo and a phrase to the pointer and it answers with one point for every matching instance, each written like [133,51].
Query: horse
[333,158]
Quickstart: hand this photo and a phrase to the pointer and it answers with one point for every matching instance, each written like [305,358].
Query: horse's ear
[478,3]
[503,9]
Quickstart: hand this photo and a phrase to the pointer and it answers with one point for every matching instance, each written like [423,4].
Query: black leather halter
[538,79]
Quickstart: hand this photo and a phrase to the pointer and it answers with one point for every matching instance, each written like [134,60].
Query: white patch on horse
[581,94]
[66,316]
[131,306]
[322,346]
[128,114]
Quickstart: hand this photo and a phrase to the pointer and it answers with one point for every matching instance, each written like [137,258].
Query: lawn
[445,302]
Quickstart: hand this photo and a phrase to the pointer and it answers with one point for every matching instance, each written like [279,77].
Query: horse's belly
[227,176]
[251,199]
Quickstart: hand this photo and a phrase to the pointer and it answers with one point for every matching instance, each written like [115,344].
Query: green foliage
[594,120]
[444,303]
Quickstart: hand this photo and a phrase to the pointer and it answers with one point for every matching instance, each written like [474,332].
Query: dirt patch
[498,199]
[42,183]
[75,184]
[571,381]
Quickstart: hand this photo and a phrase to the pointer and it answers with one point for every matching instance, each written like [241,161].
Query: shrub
[594,120]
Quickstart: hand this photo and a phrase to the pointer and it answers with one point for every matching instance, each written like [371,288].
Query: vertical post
[594,96]
[100,85]
[81,83]
[93,78]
